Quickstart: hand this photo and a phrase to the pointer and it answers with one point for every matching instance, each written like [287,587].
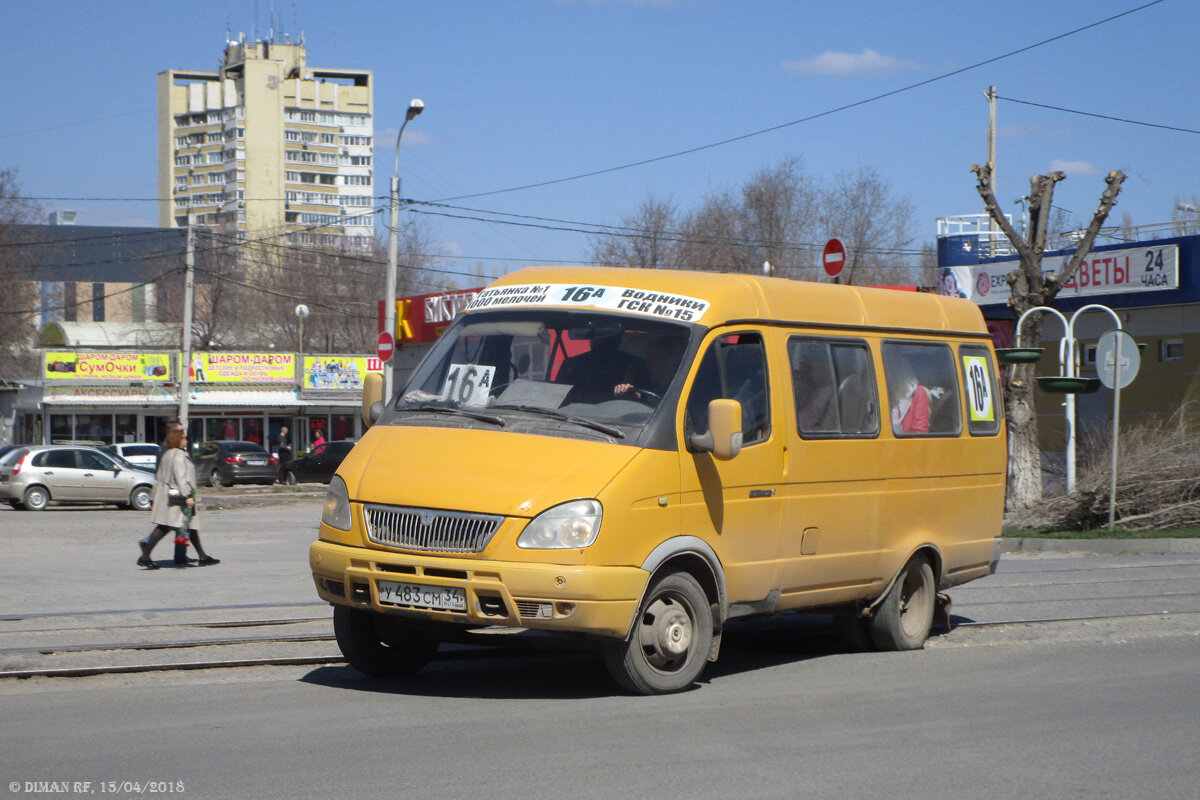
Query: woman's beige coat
[175,470]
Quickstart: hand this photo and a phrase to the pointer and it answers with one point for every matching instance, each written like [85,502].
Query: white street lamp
[389,295]
[301,313]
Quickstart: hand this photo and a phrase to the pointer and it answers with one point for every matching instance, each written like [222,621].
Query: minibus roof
[717,298]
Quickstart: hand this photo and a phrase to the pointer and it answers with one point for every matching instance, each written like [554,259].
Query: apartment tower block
[268,148]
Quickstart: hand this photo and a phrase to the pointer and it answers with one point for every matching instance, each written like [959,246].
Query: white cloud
[868,62]
[1074,167]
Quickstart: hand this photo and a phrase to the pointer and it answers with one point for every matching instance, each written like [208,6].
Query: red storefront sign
[423,317]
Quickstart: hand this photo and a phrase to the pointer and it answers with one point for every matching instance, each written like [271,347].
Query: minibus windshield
[601,371]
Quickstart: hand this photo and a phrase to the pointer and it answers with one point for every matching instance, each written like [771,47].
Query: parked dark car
[318,464]
[228,462]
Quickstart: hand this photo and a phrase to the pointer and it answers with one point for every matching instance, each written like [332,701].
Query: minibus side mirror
[372,398]
[724,437]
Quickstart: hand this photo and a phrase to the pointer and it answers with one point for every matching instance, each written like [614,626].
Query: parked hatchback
[317,465]
[225,463]
[35,476]
[140,454]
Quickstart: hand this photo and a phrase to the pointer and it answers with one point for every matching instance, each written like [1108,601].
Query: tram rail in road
[1029,595]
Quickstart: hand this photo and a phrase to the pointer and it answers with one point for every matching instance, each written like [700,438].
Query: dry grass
[1158,481]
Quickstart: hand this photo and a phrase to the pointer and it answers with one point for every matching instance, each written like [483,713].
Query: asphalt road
[1101,705]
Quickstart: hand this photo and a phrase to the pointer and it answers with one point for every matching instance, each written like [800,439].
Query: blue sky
[537,90]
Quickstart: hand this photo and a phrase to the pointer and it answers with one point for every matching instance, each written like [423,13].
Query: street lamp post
[301,313]
[389,295]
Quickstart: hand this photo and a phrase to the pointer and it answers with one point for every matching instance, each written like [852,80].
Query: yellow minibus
[636,457]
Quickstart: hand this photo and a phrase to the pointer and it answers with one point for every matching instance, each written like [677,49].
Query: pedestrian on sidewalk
[174,503]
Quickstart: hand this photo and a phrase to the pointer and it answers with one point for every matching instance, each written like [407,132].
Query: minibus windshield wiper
[458,412]
[611,430]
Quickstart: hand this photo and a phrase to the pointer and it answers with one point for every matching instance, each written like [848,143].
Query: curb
[1149,547]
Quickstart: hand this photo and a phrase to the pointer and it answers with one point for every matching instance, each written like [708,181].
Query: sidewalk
[1113,547]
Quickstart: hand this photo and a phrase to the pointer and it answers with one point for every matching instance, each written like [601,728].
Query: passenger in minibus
[910,402]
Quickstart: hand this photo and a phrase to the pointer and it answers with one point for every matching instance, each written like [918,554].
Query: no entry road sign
[833,257]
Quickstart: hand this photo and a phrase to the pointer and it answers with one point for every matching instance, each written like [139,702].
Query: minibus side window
[734,367]
[834,386]
[922,387]
[983,396]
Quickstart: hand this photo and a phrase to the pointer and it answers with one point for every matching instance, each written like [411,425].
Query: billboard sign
[1103,272]
[110,366]
[422,318]
[243,368]
[338,373]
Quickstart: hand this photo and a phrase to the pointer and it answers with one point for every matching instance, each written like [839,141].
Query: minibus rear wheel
[904,618]
[671,638]
[381,646]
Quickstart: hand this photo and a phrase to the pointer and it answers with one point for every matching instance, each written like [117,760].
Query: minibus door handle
[757,493]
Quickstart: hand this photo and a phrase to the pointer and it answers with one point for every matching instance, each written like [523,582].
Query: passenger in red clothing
[910,406]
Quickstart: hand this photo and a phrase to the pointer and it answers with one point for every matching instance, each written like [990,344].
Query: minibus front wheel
[905,617]
[381,646]
[671,638]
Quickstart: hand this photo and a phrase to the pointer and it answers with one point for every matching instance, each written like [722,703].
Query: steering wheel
[643,395]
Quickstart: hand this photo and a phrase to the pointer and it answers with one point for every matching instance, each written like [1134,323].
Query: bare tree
[779,216]
[247,294]
[18,301]
[875,226]
[652,240]
[778,207]
[1031,288]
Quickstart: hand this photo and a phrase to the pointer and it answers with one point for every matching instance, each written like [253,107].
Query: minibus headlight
[337,505]
[564,527]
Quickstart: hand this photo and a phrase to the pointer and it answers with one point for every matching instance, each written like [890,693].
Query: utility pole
[991,157]
[389,293]
[189,297]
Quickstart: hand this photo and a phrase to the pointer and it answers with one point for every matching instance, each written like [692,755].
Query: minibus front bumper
[600,601]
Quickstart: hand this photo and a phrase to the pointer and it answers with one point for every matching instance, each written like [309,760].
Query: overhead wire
[1101,116]
[812,117]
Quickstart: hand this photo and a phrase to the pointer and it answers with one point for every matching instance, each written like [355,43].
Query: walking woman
[174,492]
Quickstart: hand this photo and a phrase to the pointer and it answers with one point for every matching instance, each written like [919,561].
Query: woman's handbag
[175,497]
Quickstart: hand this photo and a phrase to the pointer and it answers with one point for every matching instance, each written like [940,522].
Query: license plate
[256,462]
[439,598]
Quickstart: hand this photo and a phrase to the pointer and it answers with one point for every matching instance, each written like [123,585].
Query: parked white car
[143,454]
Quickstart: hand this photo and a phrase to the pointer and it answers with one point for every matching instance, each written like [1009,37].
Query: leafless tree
[1031,288]
[781,215]
[249,293]
[651,239]
[18,301]
[875,225]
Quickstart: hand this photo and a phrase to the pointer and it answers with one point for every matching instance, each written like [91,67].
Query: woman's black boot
[205,559]
[147,545]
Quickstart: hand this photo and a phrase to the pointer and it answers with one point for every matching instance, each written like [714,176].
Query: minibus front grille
[430,529]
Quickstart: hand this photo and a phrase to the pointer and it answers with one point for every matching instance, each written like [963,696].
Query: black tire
[289,477]
[671,638]
[141,498]
[381,646]
[215,479]
[36,498]
[904,618]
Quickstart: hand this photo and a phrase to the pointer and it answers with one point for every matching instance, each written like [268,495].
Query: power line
[1101,116]
[812,117]
[622,231]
